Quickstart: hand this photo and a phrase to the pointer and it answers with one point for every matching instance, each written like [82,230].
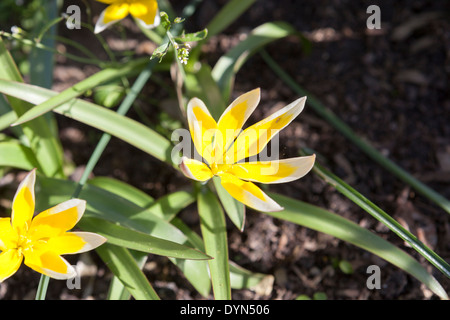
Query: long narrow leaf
[327,222]
[234,209]
[131,239]
[45,145]
[128,69]
[212,223]
[382,216]
[98,117]
[228,65]
[123,265]
[166,207]
[117,290]
[227,15]
[200,84]
[16,155]
[124,190]
[364,145]
[108,206]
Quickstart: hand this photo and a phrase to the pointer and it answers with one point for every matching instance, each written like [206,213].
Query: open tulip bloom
[224,148]
[43,239]
[144,11]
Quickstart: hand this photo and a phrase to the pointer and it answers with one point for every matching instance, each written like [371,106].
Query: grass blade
[365,146]
[230,12]
[122,264]
[132,239]
[382,216]
[212,223]
[98,117]
[78,89]
[13,154]
[45,145]
[166,207]
[234,209]
[229,64]
[327,222]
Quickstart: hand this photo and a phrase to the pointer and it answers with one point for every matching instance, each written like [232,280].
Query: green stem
[42,287]
[354,138]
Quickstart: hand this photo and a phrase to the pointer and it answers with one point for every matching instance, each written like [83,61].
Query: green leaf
[327,222]
[160,52]
[234,209]
[227,15]
[6,119]
[108,95]
[108,206]
[120,261]
[382,216]
[127,69]
[45,145]
[165,207]
[195,271]
[98,117]
[192,37]
[244,279]
[213,227]
[228,65]
[13,154]
[165,21]
[117,291]
[200,84]
[131,239]
[124,190]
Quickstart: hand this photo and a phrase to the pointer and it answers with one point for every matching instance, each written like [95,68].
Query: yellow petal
[112,14]
[57,220]
[23,203]
[202,127]
[146,11]
[195,170]
[8,236]
[278,171]
[255,138]
[50,264]
[248,193]
[10,261]
[74,242]
[232,120]
[116,11]
[109,1]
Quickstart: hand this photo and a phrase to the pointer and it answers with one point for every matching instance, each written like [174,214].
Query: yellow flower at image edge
[41,240]
[224,147]
[145,11]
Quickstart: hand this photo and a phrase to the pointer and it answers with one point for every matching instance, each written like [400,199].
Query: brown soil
[390,85]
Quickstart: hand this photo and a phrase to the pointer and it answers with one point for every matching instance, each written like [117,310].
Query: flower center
[24,244]
[219,168]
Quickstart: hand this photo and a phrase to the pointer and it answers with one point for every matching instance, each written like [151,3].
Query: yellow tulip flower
[224,148]
[41,240]
[145,11]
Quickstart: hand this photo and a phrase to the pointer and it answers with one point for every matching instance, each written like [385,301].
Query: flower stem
[42,287]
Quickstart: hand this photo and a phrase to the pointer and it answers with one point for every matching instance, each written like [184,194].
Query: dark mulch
[390,85]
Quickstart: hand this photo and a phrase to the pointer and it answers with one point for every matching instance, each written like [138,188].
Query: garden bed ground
[390,85]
